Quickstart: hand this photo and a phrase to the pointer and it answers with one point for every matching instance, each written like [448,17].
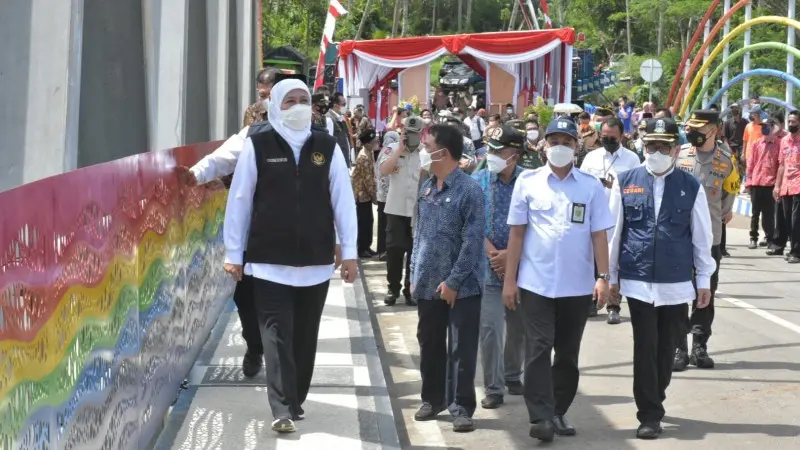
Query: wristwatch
[604,276]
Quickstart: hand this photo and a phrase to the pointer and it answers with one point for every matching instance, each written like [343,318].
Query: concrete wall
[87,81]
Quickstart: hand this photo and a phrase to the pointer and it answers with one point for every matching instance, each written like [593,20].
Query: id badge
[578,212]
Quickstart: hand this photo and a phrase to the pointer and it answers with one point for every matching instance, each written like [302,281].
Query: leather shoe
[649,431]
[251,364]
[543,430]
[563,427]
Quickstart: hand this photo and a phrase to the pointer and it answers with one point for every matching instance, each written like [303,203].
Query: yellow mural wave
[45,351]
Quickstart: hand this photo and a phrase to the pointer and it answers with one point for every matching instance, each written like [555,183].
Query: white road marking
[761,313]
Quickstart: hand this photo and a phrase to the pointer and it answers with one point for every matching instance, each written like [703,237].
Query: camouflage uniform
[255,113]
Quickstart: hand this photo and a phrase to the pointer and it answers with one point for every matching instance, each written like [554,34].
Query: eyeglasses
[663,149]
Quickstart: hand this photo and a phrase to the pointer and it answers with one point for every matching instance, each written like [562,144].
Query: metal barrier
[110,281]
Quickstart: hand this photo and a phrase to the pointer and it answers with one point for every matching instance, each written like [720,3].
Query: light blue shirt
[557,253]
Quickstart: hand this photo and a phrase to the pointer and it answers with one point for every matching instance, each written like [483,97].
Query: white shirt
[476,127]
[222,161]
[600,163]
[661,294]
[557,254]
[329,125]
[239,210]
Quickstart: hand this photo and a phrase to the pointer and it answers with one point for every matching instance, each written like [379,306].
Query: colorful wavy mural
[110,281]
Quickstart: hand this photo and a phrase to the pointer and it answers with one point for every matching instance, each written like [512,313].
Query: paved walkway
[348,406]
[750,400]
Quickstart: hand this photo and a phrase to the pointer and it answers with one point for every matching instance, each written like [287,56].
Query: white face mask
[426,159]
[266,103]
[509,111]
[426,120]
[658,163]
[298,117]
[533,135]
[495,163]
[560,155]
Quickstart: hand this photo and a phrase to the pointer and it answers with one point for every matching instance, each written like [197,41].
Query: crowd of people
[504,233]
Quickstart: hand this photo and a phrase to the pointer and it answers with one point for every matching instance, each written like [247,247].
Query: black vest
[342,137]
[292,220]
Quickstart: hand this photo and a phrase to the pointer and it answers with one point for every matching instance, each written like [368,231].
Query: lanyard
[605,171]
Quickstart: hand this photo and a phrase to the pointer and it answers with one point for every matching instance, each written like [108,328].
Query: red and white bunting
[547,22]
[335,10]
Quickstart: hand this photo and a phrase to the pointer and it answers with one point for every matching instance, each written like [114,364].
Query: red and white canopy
[367,64]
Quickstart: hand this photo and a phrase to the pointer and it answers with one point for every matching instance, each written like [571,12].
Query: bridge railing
[110,281]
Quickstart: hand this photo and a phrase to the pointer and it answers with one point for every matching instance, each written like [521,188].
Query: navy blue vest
[657,249]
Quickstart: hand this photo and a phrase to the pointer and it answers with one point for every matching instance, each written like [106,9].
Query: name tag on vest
[276,160]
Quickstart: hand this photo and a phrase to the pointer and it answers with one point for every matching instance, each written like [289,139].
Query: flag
[335,10]
[547,22]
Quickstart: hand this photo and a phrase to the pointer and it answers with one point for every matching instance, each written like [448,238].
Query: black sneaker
[391,299]
[700,359]
[427,412]
[753,244]
[593,309]
[778,251]
[283,425]
[681,360]
[409,300]
[613,317]
[763,243]
[725,254]
[515,387]
[251,364]
[463,423]
[492,401]
[793,259]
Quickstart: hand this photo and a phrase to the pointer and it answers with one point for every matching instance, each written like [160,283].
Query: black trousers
[448,344]
[245,307]
[724,239]
[365,224]
[701,319]
[764,207]
[552,323]
[789,227]
[381,228]
[399,243]
[656,332]
[289,319]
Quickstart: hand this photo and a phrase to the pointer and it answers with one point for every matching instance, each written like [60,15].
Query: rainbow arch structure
[753,73]
[698,77]
[110,281]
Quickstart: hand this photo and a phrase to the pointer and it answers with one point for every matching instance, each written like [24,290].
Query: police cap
[703,117]
[563,125]
[505,136]
[661,130]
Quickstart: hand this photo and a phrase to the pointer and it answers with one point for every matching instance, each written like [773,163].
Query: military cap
[319,99]
[564,125]
[602,111]
[661,130]
[367,135]
[505,136]
[517,124]
[703,117]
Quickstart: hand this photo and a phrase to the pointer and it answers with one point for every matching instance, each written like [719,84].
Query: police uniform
[658,284]
[719,177]
[400,204]
[529,158]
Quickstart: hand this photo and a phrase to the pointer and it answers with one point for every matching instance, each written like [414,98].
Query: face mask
[426,120]
[495,163]
[560,155]
[794,129]
[610,144]
[765,131]
[298,117]
[658,163]
[426,159]
[265,102]
[533,135]
[509,111]
[696,138]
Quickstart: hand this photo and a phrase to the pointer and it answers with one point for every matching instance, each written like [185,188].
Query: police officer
[558,217]
[708,159]
[658,284]
[400,162]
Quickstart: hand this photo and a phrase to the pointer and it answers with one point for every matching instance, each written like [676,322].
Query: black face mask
[610,144]
[696,138]
[794,129]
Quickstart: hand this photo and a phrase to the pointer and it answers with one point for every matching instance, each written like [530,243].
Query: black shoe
[763,243]
[409,300]
[700,358]
[463,423]
[382,257]
[365,254]
[391,299]
[793,259]
[563,427]
[515,387]
[725,254]
[613,317]
[777,251]
[427,412]
[492,401]
[681,360]
[649,431]
[543,430]
[251,364]
[593,309]
[753,244]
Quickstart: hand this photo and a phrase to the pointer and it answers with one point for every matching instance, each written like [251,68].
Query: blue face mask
[765,131]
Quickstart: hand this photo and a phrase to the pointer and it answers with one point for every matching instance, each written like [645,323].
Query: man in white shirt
[476,126]
[662,235]
[558,216]
[606,163]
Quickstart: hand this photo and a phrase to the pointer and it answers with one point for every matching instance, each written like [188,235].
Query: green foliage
[544,111]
